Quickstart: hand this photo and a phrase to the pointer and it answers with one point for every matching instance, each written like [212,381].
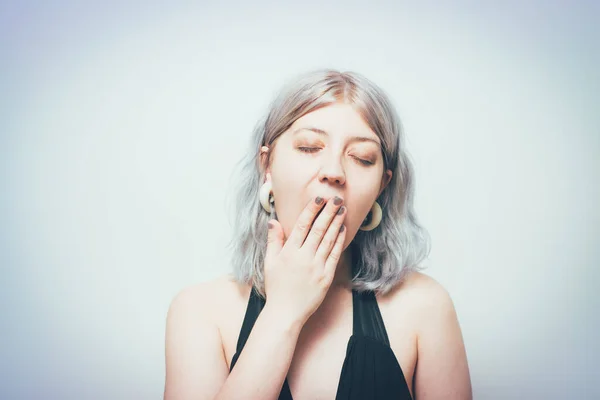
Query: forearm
[265,360]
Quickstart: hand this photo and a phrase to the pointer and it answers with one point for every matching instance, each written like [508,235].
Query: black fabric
[370,369]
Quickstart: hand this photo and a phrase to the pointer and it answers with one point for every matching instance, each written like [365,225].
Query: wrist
[279,319]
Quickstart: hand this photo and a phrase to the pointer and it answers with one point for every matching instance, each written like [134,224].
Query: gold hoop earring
[376,215]
[265,195]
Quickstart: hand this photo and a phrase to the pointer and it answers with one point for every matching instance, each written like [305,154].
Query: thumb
[274,239]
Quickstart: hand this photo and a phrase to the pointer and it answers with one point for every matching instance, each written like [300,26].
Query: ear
[264,159]
[385,181]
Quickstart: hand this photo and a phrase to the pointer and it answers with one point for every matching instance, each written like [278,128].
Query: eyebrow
[352,138]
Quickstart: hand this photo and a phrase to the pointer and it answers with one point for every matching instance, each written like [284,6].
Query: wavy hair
[381,257]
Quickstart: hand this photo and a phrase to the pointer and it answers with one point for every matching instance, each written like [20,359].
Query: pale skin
[304,328]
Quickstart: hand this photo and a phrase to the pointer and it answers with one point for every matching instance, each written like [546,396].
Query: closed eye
[308,149]
[315,149]
[364,162]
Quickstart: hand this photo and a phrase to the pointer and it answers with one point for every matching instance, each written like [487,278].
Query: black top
[370,369]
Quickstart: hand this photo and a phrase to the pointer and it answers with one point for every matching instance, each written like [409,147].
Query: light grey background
[120,126]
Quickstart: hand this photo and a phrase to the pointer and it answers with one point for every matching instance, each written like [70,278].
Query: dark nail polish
[270,225]
[341,210]
[342,229]
[337,201]
[319,200]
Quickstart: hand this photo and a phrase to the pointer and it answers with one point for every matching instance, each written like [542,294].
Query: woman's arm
[298,274]
[264,363]
[195,364]
[442,371]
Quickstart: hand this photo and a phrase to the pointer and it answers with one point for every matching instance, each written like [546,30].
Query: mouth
[325,200]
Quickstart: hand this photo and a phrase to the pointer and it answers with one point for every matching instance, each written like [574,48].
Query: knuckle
[327,242]
[325,281]
[302,225]
[317,230]
[334,256]
[320,277]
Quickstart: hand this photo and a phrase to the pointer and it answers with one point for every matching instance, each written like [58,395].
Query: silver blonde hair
[381,257]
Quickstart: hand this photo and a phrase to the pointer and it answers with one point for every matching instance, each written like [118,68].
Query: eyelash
[311,150]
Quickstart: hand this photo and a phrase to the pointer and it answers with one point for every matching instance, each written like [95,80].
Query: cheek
[363,195]
[289,179]
[289,166]
[356,215]
[289,188]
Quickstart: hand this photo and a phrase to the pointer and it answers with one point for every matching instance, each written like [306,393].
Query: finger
[305,220]
[324,248]
[320,226]
[274,239]
[335,255]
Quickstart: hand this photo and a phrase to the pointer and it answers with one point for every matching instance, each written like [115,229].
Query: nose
[332,172]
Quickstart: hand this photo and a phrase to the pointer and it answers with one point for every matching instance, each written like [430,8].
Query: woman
[326,300]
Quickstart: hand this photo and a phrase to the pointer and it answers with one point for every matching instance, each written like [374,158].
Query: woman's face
[328,152]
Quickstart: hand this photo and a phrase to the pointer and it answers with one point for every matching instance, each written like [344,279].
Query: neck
[343,271]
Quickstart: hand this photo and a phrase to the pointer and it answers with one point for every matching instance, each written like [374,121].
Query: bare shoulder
[426,291]
[217,305]
[442,370]
[422,289]
[196,338]
[204,298]
[421,297]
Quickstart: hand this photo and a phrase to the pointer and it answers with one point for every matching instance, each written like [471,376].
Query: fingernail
[319,200]
[341,210]
[342,229]
[270,225]
[337,201]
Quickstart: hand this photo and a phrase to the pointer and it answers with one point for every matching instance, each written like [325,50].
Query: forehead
[336,119]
